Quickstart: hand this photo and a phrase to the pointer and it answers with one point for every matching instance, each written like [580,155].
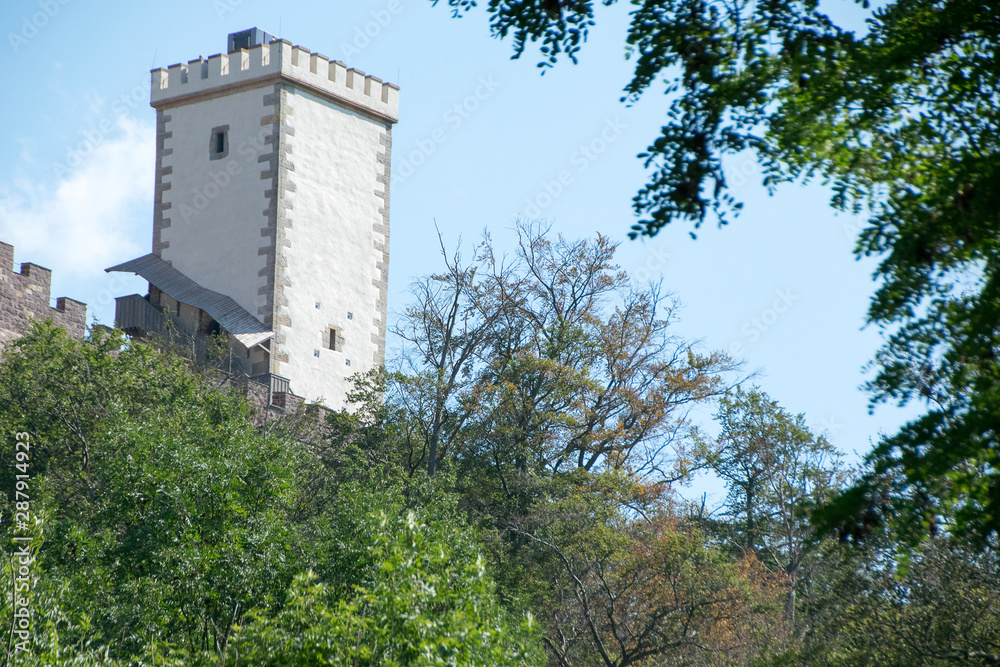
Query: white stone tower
[272,189]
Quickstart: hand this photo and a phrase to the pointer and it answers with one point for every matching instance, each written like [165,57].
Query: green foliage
[167,511]
[643,589]
[173,514]
[524,367]
[941,609]
[431,603]
[774,469]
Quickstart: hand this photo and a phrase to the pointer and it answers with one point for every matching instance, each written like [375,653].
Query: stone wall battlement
[26,295]
[279,60]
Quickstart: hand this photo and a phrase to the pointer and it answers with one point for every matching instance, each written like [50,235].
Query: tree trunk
[790,603]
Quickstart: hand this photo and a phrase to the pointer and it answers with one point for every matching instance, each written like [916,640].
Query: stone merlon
[278,61]
[26,295]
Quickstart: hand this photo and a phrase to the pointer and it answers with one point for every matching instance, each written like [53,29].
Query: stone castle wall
[26,295]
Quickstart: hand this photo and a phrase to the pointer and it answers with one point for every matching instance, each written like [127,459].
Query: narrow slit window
[333,340]
[218,145]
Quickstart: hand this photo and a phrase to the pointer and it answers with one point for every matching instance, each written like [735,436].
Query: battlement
[26,294]
[278,60]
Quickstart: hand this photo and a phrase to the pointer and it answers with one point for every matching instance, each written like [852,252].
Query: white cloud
[94,212]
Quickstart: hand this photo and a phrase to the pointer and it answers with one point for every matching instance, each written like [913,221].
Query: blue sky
[481,139]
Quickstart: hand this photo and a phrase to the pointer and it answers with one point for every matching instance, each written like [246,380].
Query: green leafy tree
[174,513]
[166,510]
[939,608]
[559,362]
[775,471]
[430,602]
[640,586]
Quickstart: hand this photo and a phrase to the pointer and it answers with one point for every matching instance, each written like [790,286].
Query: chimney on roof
[246,39]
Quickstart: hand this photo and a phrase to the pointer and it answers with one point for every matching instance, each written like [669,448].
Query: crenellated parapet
[279,60]
[24,296]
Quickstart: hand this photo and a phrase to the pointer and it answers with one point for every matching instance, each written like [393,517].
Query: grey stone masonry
[25,296]
[161,214]
[381,227]
[277,170]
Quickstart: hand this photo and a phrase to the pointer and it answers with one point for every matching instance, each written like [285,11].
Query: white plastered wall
[331,257]
[217,206]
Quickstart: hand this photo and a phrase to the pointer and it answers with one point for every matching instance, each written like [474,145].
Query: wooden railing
[278,387]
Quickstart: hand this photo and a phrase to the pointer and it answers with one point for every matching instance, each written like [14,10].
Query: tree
[446,327]
[169,513]
[165,509]
[430,603]
[548,361]
[775,470]
[566,429]
[939,608]
[643,587]
[902,120]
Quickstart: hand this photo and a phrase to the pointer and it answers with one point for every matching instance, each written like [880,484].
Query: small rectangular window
[332,339]
[218,146]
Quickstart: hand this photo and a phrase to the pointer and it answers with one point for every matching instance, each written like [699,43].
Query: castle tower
[272,199]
